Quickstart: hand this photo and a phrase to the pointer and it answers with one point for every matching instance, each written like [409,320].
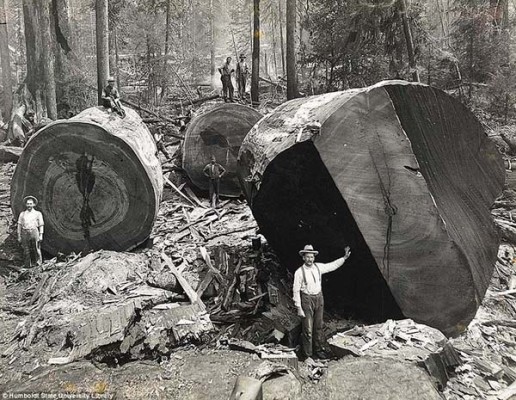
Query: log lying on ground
[218,132]
[404,174]
[98,180]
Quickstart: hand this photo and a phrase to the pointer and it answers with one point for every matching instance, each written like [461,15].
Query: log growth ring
[218,132]
[116,202]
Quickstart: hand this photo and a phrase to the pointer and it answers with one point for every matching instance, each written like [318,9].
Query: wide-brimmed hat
[111,79]
[30,198]
[242,55]
[308,249]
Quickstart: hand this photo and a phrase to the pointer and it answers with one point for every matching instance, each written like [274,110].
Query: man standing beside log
[309,301]
[242,71]
[214,171]
[30,232]
[225,77]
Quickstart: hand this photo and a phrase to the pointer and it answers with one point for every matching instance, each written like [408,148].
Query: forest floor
[48,313]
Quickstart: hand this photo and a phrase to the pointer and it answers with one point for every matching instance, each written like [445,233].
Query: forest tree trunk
[6,62]
[408,38]
[291,50]
[255,75]
[102,34]
[47,59]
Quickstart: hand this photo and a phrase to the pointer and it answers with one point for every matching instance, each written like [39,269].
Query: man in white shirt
[30,232]
[309,301]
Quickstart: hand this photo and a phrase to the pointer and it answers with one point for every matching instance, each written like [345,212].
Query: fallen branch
[165,178]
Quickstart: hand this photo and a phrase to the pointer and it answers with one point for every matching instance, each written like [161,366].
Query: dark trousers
[214,186]
[31,248]
[227,85]
[241,86]
[312,324]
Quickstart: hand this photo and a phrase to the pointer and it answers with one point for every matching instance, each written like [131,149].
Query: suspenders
[304,274]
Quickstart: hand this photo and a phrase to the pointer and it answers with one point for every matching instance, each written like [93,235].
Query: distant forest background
[56,53]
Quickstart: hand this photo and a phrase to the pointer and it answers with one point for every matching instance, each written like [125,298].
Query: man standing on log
[242,71]
[309,301]
[30,232]
[225,77]
[214,171]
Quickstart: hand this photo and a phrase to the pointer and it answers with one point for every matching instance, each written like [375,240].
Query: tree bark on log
[402,173]
[218,132]
[98,180]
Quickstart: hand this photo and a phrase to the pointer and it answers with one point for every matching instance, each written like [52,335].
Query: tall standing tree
[47,58]
[212,46]
[255,75]
[282,41]
[102,34]
[408,38]
[6,62]
[291,50]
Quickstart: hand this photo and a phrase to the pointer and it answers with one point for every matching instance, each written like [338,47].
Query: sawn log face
[218,132]
[404,174]
[97,178]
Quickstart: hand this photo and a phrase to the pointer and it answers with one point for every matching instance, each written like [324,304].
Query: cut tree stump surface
[402,173]
[97,178]
[218,132]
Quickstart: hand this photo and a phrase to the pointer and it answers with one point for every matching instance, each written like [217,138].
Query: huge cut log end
[218,132]
[405,175]
[97,178]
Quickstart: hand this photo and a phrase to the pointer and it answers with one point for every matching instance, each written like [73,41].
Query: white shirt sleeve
[297,288]
[331,266]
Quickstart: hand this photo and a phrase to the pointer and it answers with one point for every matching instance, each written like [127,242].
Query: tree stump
[97,178]
[405,175]
[218,132]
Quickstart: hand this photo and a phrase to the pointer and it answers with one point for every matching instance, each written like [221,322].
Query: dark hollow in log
[218,132]
[402,173]
[97,178]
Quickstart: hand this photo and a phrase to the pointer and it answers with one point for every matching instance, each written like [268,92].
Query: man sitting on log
[225,77]
[214,171]
[111,98]
[309,301]
[30,232]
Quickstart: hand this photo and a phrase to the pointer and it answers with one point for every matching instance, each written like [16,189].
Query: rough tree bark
[97,178]
[33,46]
[405,175]
[47,59]
[218,132]
[408,39]
[291,50]
[212,47]
[282,42]
[102,34]
[164,74]
[255,73]
[63,35]
[6,62]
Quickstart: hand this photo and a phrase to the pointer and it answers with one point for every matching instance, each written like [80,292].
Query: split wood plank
[192,295]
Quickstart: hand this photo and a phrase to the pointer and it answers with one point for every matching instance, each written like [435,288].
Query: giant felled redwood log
[404,174]
[218,132]
[97,178]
